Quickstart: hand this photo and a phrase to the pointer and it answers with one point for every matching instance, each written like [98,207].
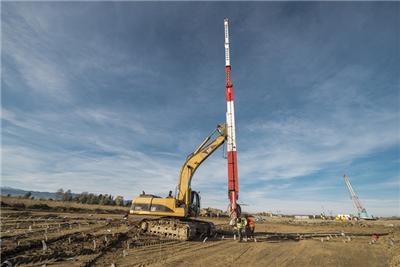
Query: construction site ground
[54,238]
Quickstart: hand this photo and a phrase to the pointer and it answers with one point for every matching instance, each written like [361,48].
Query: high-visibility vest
[251,223]
[241,223]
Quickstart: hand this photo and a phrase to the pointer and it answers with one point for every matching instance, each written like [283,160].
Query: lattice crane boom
[362,212]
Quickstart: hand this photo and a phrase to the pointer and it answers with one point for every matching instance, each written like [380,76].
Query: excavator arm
[195,159]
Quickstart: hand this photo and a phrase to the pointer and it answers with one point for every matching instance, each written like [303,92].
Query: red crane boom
[233,179]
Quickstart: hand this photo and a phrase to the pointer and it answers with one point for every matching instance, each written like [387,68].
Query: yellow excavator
[173,213]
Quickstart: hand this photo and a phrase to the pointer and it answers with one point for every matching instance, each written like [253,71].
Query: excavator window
[195,206]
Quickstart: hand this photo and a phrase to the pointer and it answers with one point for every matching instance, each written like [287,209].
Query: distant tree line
[84,198]
[90,198]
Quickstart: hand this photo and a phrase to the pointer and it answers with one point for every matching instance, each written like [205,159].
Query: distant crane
[362,212]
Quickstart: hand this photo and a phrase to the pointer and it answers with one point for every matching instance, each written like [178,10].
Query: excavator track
[178,229]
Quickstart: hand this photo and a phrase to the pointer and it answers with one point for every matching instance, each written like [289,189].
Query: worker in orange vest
[250,227]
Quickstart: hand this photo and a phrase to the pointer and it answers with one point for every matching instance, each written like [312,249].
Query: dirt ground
[50,238]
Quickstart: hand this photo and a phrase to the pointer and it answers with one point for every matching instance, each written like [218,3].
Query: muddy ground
[52,238]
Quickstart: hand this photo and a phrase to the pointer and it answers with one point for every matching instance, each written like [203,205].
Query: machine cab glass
[195,206]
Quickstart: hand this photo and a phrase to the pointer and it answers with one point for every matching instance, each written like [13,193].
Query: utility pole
[233,179]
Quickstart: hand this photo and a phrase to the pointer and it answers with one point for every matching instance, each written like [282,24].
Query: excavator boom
[195,159]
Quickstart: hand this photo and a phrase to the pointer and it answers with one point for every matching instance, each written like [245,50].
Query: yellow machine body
[153,205]
[186,203]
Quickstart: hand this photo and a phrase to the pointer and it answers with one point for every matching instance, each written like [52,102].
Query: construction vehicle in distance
[362,212]
[174,213]
[344,217]
[211,212]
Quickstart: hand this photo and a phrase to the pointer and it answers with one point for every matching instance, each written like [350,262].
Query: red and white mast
[233,180]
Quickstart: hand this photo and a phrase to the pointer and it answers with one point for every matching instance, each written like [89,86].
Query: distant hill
[5,190]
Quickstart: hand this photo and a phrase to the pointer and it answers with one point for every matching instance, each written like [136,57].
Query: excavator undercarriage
[178,228]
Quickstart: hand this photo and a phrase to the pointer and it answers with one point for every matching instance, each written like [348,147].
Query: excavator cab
[194,204]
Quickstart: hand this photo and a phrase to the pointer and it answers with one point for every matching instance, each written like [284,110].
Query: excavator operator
[170,194]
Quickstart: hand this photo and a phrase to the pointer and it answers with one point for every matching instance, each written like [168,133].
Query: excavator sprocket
[178,229]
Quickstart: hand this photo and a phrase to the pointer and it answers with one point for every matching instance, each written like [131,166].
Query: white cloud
[125,174]
[38,42]
[113,153]
[26,44]
[342,125]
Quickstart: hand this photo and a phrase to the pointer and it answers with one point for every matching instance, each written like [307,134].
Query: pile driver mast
[233,180]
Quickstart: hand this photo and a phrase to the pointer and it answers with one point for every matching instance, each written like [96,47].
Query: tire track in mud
[241,254]
[165,254]
[121,237]
[143,244]
[213,254]
[161,253]
[210,255]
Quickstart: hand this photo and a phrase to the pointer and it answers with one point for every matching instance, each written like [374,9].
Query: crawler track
[178,229]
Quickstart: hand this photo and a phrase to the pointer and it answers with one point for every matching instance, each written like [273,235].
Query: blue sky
[111,97]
